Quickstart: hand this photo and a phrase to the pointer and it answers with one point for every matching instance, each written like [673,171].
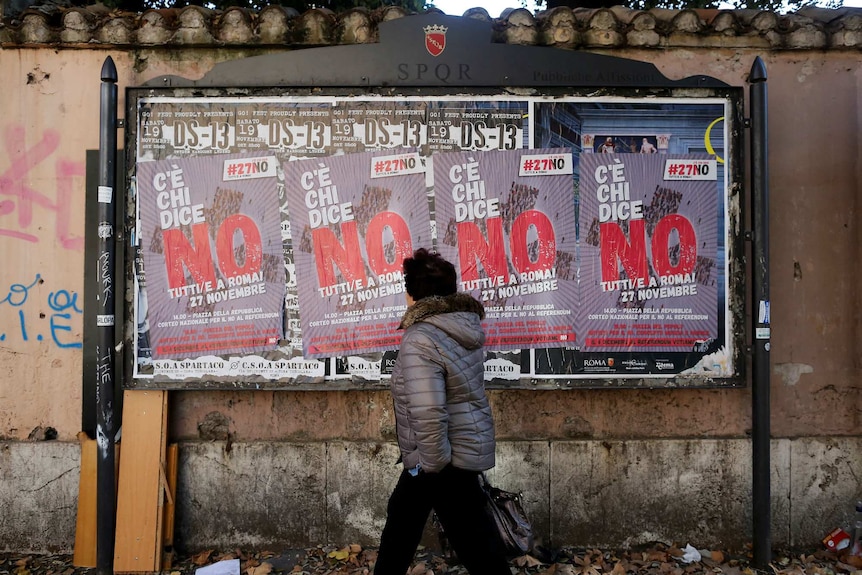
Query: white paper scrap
[690,554]
[226,567]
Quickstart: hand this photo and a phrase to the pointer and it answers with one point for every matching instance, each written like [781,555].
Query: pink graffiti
[14,184]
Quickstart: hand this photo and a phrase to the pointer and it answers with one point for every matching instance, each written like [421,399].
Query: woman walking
[444,425]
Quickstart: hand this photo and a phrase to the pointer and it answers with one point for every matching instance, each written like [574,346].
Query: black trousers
[457,498]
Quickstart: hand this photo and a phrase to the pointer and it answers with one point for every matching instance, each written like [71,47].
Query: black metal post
[760,430]
[106,491]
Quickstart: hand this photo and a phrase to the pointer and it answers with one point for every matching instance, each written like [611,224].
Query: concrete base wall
[38,495]
[608,494]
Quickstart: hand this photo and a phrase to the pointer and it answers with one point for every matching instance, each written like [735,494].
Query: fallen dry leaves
[526,561]
[585,565]
[262,569]
[657,559]
[203,557]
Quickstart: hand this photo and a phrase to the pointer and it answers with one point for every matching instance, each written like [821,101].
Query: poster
[212,249]
[360,126]
[455,126]
[545,306]
[354,218]
[649,252]
[506,220]
[192,127]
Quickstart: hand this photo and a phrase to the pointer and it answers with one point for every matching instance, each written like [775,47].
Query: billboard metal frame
[470,71]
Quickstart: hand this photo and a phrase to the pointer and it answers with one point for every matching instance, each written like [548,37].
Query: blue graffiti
[63,304]
[17,295]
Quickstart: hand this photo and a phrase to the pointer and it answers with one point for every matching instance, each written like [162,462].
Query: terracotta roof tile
[234,26]
[617,27]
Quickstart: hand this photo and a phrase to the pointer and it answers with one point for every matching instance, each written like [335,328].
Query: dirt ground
[657,559]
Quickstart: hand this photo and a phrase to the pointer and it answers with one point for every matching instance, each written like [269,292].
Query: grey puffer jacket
[441,410]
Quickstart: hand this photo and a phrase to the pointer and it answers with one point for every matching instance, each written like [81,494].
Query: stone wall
[598,467]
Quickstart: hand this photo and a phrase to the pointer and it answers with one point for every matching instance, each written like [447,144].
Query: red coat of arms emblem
[435,39]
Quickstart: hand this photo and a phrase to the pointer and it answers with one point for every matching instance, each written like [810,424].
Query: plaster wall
[684,442]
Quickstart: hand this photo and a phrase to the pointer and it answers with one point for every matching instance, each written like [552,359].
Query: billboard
[269,233]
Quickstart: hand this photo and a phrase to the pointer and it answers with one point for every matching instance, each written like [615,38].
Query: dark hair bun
[426,274]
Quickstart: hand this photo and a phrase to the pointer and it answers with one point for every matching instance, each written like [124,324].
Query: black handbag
[508,518]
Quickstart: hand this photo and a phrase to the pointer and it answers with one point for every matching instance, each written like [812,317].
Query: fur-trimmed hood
[458,315]
[435,305]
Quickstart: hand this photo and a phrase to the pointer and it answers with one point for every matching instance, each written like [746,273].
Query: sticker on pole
[106,194]
[397,165]
[545,165]
[763,312]
[249,168]
[690,170]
